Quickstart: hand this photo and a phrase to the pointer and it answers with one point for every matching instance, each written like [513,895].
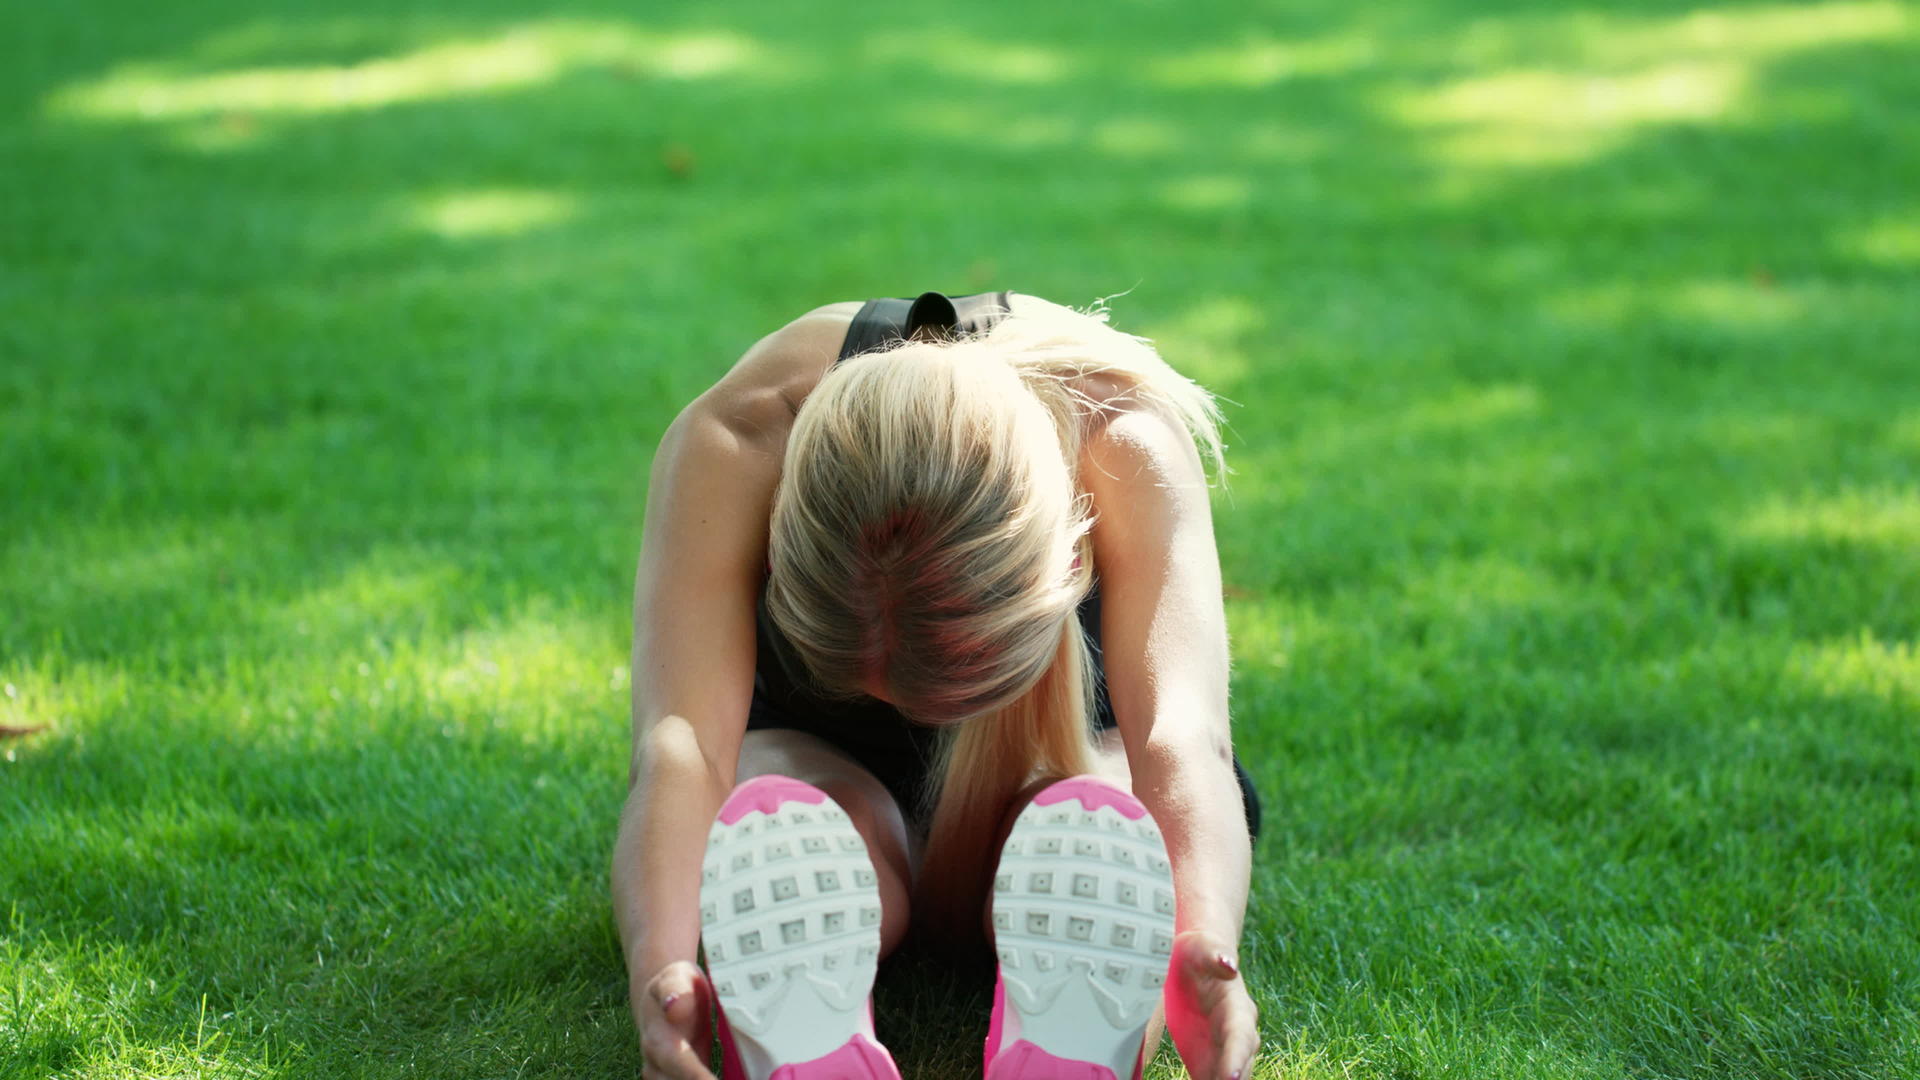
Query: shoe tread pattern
[784,897]
[1083,904]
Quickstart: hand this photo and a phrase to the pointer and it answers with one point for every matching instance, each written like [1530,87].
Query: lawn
[1573,538]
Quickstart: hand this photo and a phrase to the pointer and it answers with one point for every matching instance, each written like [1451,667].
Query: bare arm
[693,655]
[1164,639]
[701,556]
[1164,636]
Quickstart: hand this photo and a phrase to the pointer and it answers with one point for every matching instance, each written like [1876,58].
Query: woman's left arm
[1164,640]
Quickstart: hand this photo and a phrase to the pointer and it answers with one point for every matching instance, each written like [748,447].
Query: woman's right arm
[693,656]
[702,551]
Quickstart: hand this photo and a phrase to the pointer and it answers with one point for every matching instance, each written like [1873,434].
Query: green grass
[1571,544]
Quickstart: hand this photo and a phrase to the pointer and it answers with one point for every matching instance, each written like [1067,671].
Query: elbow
[670,769]
[672,748]
[1190,751]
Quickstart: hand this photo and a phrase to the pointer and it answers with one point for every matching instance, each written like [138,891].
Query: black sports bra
[890,319]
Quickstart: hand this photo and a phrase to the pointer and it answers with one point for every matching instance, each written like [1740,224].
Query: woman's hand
[675,1032]
[1212,1018]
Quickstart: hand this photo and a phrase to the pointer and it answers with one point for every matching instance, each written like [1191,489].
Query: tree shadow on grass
[393,373]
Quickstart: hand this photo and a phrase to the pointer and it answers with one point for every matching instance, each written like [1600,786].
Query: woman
[868,571]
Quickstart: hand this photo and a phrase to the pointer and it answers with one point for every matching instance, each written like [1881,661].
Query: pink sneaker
[1083,925]
[790,923]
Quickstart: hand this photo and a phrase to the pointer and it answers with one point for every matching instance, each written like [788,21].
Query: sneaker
[790,923]
[1083,926]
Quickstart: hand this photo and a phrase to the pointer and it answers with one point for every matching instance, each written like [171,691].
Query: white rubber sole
[1083,918]
[790,923]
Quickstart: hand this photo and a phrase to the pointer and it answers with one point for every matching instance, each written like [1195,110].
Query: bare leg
[867,802]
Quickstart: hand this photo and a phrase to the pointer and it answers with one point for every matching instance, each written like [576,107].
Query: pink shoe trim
[993,1025]
[730,1067]
[1093,794]
[765,794]
[1025,1061]
[860,1059]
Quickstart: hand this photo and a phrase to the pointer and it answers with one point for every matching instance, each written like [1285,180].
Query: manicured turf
[1571,543]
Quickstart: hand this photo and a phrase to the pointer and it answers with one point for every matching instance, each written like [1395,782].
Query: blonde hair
[930,538]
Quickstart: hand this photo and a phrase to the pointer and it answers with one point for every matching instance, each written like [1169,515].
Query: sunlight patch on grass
[19,711]
[1450,413]
[19,718]
[382,639]
[975,59]
[1751,432]
[1136,137]
[1263,61]
[63,699]
[1876,516]
[1469,586]
[1892,241]
[1205,341]
[535,671]
[1732,302]
[1033,131]
[1538,116]
[221,134]
[1753,33]
[526,55]
[482,212]
[1617,77]
[1735,301]
[1207,193]
[368,596]
[268,40]
[1862,666]
[1264,631]
[1284,142]
[160,560]
[1128,137]
[1595,305]
[1583,38]
[1905,432]
[1470,408]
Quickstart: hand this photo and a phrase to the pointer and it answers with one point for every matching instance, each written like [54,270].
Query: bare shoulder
[757,398]
[759,394]
[1148,489]
[1106,391]
[1133,451]
[712,481]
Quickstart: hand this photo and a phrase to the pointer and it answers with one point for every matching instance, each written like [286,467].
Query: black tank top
[781,685]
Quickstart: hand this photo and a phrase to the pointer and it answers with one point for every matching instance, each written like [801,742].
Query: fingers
[1207,955]
[682,1001]
[671,1058]
[1225,966]
[1210,975]
[673,1022]
[1240,1048]
[1208,971]
[1213,965]
[1237,1038]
